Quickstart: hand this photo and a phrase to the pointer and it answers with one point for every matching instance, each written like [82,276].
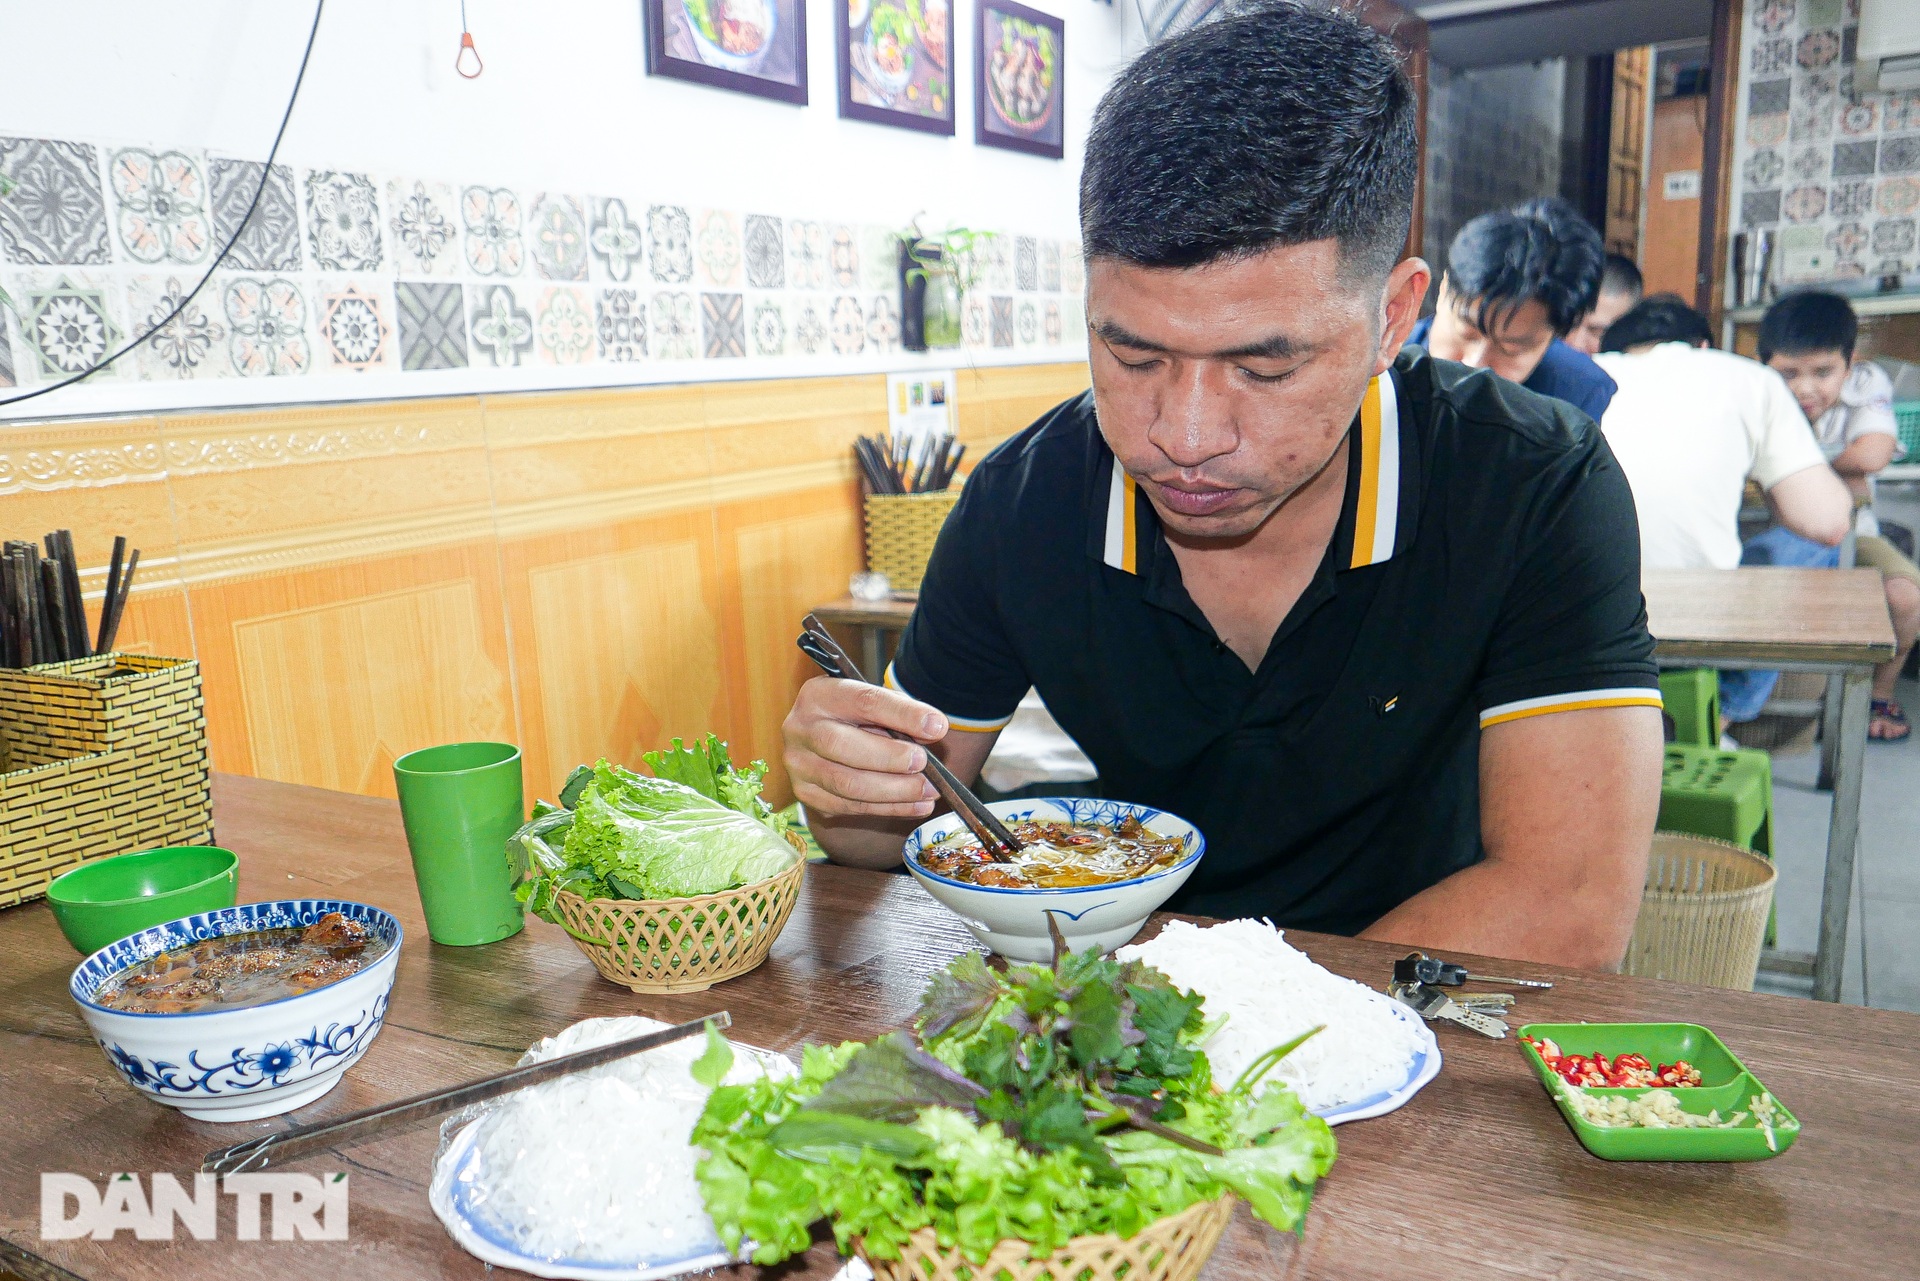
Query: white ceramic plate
[459,1170]
[1425,1066]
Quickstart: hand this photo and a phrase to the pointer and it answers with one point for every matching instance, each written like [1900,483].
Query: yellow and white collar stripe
[1574,701]
[1123,535]
[1376,518]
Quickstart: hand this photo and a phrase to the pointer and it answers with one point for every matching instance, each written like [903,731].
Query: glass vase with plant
[935,274]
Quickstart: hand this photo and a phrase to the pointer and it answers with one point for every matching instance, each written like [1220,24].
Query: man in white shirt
[1688,425]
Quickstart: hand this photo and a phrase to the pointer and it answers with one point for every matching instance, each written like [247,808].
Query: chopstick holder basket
[901,529]
[101,756]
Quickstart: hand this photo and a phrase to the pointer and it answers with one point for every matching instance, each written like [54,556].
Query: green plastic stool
[1724,794]
[1692,698]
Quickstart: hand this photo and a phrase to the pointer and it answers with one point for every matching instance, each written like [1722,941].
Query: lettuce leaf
[666,840]
[708,770]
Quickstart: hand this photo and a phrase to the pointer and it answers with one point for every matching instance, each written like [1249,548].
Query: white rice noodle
[596,1165]
[1271,992]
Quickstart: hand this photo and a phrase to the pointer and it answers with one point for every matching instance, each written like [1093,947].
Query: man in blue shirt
[1515,283]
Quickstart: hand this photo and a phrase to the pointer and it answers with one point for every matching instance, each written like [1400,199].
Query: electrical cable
[266,176]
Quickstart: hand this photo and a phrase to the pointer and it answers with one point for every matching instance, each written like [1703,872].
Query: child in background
[1808,339]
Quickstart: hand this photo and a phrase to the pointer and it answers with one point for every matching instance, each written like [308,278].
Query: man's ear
[1406,289]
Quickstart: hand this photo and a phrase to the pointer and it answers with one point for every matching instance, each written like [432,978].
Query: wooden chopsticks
[891,468]
[817,643]
[43,616]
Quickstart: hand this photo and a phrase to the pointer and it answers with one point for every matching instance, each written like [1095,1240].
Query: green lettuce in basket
[696,826]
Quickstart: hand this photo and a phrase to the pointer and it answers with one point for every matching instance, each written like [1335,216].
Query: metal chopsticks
[819,645]
[257,1154]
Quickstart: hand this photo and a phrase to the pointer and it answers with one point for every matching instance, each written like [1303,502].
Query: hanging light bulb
[468,55]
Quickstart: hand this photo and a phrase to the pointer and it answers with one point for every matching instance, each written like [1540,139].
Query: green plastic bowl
[1725,1086]
[101,903]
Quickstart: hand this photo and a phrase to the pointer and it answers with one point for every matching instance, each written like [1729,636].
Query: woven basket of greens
[1045,1123]
[671,882]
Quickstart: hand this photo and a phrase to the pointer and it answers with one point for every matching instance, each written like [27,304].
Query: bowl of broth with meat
[1098,868]
[245,1012]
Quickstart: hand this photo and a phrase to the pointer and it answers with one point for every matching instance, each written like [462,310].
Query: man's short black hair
[1809,321]
[1542,250]
[1661,318]
[1622,275]
[1274,125]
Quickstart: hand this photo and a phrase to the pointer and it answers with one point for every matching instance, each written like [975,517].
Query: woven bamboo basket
[683,944]
[1171,1249]
[901,529]
[101,756]
[1703,914]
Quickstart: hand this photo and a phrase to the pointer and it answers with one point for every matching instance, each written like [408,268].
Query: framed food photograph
[748,46]
[896,62]
[1019,79]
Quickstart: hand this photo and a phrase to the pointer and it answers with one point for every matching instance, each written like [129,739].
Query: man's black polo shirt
[1485,567]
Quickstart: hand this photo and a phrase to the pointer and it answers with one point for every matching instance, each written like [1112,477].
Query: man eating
[1516,283]
[1371,620]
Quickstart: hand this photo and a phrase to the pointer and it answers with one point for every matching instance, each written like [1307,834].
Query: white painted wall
[564,104]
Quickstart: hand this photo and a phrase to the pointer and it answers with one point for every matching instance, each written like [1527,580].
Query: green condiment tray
[1725,1086]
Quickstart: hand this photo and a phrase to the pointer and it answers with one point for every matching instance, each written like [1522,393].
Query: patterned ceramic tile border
[1833,172]
[342,273]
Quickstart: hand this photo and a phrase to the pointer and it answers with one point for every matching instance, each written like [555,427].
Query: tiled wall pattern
[341,272]
[1493,140]
[1835,172]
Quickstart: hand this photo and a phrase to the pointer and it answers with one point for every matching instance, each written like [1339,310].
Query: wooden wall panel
[399,671]
[374,658]
[156,622]
[584,573]
[617,642]
[780,557]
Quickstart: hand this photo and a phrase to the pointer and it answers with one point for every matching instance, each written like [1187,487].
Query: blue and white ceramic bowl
[241,1065]
[1013,922]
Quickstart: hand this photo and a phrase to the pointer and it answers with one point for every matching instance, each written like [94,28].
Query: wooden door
[1670,244]
[1628,139]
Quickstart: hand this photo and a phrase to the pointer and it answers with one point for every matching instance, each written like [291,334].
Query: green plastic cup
[460,803]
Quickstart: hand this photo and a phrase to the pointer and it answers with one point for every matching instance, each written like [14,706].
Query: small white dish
[249,1063]
[1013,922]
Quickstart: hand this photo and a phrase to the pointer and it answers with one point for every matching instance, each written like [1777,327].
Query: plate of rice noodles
[596,1175]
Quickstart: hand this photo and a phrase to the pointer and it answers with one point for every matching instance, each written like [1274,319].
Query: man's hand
[840,761]
[1567,806]
[864,791]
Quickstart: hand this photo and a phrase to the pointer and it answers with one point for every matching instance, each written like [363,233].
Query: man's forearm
[1567,806]
[1493,910]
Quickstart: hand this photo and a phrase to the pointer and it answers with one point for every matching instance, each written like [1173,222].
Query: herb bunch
[1039,1103]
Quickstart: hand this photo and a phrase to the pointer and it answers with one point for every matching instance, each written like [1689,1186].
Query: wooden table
[1477,1177]
[872,622]
[1830,621]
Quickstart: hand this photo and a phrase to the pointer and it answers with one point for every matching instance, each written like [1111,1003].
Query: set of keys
[1419,978]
